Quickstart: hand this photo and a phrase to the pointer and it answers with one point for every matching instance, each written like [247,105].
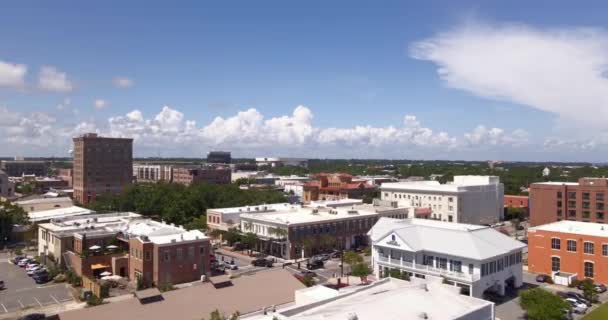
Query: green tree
[542,305]
[232,236]
[199,223]
[589,290]
[352,258]
[250,240]
[361,270]
[10,214]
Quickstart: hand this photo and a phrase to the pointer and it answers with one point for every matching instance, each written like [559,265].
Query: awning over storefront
[98,266]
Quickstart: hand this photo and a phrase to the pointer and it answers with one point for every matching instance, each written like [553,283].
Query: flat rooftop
[198,301]
[557,183]
[388,299]
[460,183]
[303,215]
[575,227]
[44,200]
[253,209]
[58,213]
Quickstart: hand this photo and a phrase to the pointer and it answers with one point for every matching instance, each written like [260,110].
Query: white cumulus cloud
[51,79]
[123,82]
[560,71]
[12,75]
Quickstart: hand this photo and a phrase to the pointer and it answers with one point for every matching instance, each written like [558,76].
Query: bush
[59,278]
[94,301]
[542,305]
[549,280]
[165,286]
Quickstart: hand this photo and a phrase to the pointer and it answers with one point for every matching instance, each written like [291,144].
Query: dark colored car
[2,285]
[34,316]
[16,259]
[262,262]
[314,264]
[542,278]
[336,254]
[41,277]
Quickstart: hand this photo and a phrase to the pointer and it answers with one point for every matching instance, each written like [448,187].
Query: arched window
[555,264]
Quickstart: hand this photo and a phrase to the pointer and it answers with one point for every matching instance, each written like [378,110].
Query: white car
[577,306]
[31,265]
[231,266]
[24,262]
[33,270]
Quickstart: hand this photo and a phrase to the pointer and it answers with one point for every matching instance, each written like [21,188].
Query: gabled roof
[463,240]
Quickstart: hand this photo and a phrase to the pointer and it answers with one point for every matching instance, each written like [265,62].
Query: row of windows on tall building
[599,196]
[179,253]
[571,246]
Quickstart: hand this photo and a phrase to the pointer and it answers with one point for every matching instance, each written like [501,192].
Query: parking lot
[22,292]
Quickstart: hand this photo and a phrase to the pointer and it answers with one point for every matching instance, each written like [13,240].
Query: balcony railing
[385,260]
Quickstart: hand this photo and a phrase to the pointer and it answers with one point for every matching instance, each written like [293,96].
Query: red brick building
[579,201]
[573,247]
[325,186]
[516,201]
[101,165]
[187,175]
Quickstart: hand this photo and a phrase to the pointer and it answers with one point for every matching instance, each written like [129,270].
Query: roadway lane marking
[38,301]
[53,297]
[3,307]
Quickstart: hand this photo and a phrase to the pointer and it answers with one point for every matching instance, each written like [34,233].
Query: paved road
[22,292]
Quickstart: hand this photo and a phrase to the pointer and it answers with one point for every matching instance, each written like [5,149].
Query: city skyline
[340,80]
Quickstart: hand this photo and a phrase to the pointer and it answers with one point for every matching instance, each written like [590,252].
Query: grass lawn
[600,313]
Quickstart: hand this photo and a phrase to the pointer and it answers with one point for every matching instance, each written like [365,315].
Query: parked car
[16,259]
[322,257]
[336,254]
[33,270]
[34,316]
[31,265]
[41,278]
[23,262]
[314,264]
[577,306]
[542,278]
[2,286]
[262,262]
[231,266]
[599,288]
[579,297]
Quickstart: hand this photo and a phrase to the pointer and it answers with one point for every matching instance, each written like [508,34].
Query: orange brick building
[516,201]
[575,247]
[324,186]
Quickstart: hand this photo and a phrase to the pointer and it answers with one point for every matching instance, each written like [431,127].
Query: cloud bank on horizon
[563,72]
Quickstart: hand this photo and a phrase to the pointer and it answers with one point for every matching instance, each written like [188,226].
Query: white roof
[575,227]
[459,184]
[557,183]
[303,215]
[58,213]
[462,240]
[253,209]
[388,299]
[44,200]
[336,203]
[191,235]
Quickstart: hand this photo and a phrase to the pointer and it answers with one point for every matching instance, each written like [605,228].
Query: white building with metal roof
[475,258]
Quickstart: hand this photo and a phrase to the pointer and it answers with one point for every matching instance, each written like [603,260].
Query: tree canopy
[10,214]
[542,305]
[182,205]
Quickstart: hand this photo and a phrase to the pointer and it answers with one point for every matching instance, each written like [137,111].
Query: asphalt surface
[22,292]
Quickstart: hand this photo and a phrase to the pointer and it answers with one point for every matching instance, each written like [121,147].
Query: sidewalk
[47,310]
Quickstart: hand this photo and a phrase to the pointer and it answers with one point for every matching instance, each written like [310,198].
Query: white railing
[427,269]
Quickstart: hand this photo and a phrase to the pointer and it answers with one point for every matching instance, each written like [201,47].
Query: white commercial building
[277,162]
[152,173]
[468,199]
[474,258]
[387,299]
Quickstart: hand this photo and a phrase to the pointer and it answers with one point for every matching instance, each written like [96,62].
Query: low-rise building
[18,168]
[152,172]
[281,161]
[569,249]
[324,186]
[468,199]
[44,184]
[387,299]
[190,175]
[47,215]
[474,258]
[222,157]
[44,203]
[7,187]
[127,245]
[66,175]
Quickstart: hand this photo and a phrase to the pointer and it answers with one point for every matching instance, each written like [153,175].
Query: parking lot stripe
[38,301]
[3,307]
[53,297]
[21,304]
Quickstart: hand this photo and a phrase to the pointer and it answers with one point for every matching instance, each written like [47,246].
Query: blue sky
[355,67]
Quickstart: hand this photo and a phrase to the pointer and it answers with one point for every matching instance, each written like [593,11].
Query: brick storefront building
[324,186]
[516,201]
[579,201]
[212,175]
[101,165]
[572,247]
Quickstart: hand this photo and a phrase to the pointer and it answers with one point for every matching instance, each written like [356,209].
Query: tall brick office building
[101,165]
[579,201]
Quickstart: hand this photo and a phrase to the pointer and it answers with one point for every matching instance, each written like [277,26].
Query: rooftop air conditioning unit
[352,212]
